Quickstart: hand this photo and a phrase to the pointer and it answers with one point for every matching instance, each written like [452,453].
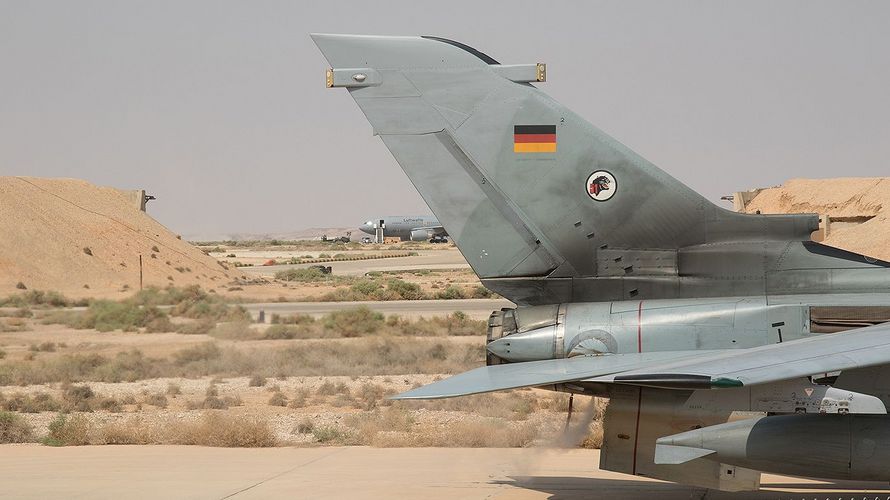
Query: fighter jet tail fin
[525,187]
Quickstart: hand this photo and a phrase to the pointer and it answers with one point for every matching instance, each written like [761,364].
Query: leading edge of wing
[537,373]
[859,348]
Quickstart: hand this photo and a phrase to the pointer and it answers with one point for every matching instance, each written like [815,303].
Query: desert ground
[98,348]
[358,472]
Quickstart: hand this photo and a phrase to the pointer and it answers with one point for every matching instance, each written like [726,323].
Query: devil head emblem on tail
[601,185]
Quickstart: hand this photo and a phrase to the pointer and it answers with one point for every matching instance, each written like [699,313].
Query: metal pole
[140,271]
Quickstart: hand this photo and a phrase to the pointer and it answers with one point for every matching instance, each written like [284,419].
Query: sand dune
[84,240]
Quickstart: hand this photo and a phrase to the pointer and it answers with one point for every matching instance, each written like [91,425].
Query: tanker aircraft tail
[526,188]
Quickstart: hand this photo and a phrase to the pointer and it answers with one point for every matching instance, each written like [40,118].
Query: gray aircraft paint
[679,311]
[421,227]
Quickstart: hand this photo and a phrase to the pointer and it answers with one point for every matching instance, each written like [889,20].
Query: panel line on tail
[502,204]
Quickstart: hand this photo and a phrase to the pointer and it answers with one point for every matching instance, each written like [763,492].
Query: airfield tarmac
[33,471]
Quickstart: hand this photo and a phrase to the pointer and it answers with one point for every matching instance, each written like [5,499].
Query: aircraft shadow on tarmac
[574,488]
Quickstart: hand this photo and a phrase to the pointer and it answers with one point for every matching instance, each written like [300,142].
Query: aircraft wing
[537,373]
[680,369]
[434,229]
[859,348]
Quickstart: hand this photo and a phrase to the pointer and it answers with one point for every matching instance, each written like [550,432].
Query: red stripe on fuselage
[534,138]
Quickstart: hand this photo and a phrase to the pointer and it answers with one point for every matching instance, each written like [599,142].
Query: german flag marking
[534,138]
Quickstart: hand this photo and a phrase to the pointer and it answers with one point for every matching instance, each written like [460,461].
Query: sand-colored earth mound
[83,240]
[858,208]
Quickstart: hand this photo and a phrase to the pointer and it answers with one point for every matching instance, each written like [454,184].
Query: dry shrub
[22,312]
[196,327]
[354,322]
[256,381]
[278,399]
[239,330]
[326,389]
[221,430]
[110,404]
[27,403]
[78,398]
[594,440]
[130,431]
[197,353]
[329,434]
[363,356]
[157,399]
[14,325]
[173,390]
[304,427]
[299,399]
[286,332]
[369,425]
[14,429]
[370,395]
[67,430]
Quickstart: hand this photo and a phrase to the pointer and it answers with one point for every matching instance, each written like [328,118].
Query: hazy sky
[219,108]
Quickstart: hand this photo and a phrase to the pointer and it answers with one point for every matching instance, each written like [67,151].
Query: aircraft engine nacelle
[532,333]
[539,332]
[420,234]
[831,446]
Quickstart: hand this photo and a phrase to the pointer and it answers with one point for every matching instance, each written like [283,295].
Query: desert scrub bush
[129,431]
[405,290]
[327,388]
[223,430]
[107,315]
[124,366]
[200,352]
[305,426]
[278,399]
[280,332]
[300,398]
[68,430]
[29,403]
[109,404]
[451,292]
[370,395]
[13,325]
[368,425]
[256,381]
[14,429]
[37,298]
[196,327]
[366,286]
[360,356]
[354,322]
[192,302]
[308,275]
[328,434]
[480,292]
[78,398]
[157,399]
[173,390]
[21,312]
[291,319]
[237,330]
[43,347]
